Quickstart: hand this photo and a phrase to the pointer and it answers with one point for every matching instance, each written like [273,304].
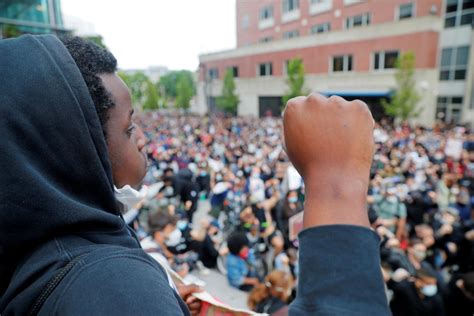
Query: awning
[376,94]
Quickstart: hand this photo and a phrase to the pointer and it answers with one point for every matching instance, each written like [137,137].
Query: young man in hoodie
[64,248]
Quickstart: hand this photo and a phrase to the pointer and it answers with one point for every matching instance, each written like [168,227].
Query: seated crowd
[223,193]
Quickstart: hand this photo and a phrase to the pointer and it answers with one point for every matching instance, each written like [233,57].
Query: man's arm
[330,143]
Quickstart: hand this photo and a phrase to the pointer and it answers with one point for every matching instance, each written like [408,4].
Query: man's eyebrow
[131,112]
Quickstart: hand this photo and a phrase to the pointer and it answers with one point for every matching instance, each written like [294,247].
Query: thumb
[186,290]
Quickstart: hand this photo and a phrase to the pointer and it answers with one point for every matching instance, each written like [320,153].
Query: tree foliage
[185,91]
[142,90]
[10,31]
[169,82]
[228,101]
[403,104]
[295,80]
[97,39]
[152,98]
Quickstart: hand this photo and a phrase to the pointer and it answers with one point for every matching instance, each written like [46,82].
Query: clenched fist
[330,142]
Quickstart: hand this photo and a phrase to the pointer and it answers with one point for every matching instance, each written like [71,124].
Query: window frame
[285,6]
[291,34]
[213,73]
[268,69]
[413,11]
[366,20]
[325,29]
[453,67]
[381,60]
[271,16]
[448,107]
[347,59]
[457,15]
[235,71]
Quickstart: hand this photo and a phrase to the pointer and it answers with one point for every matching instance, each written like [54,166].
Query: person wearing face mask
[162,228]
[416,255]
[391,212]
[416,296]
[271,296]
[240,270]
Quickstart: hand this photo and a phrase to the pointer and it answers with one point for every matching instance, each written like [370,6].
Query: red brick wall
[317,59]
[381,11]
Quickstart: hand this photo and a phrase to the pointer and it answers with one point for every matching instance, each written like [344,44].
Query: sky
[170,33]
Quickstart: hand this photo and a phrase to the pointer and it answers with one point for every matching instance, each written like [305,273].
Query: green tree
[184,92]
[138,84]
[228,101]
[295,80]
[403,104]
[169,82]
[10,30]
[152,97]
[97,39]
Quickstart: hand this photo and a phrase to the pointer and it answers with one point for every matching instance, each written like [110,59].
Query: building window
[235,71]
[290,5]
[449,109]
[349,2]
[320,28]
[213,73]
[265,69]
[454,63]
[291,34]
[342,63]
[266,39]
[406,11]
[266,13]
[385,60]
[245,21]
[358,20]
[459,12]
[320,6]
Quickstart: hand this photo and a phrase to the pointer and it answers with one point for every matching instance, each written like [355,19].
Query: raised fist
[330,142]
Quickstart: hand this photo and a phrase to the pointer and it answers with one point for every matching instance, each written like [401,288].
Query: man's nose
[141,139]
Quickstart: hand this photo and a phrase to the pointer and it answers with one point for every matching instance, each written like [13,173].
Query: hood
[55,176]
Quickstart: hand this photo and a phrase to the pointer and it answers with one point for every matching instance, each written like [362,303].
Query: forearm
[249,281]
[401,227]
[340,272]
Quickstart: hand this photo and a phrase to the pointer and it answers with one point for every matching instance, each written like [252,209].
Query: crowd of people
[222,194]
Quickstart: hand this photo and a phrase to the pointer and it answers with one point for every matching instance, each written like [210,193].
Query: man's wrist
[337,200]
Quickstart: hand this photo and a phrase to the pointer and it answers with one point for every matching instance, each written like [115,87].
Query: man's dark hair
[92,61]
[159,220]
[424,273]
[236,242]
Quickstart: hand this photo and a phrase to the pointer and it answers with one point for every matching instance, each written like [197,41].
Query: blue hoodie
[64,249]
[57,200]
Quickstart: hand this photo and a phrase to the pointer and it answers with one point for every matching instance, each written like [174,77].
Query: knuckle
[315,98]
[335,99]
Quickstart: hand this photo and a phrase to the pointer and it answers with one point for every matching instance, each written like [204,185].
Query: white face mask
[129,196]
[174,238]
[429,290]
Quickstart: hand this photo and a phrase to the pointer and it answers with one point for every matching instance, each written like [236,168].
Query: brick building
[349,48]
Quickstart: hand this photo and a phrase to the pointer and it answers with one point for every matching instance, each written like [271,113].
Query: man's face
[125,140]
